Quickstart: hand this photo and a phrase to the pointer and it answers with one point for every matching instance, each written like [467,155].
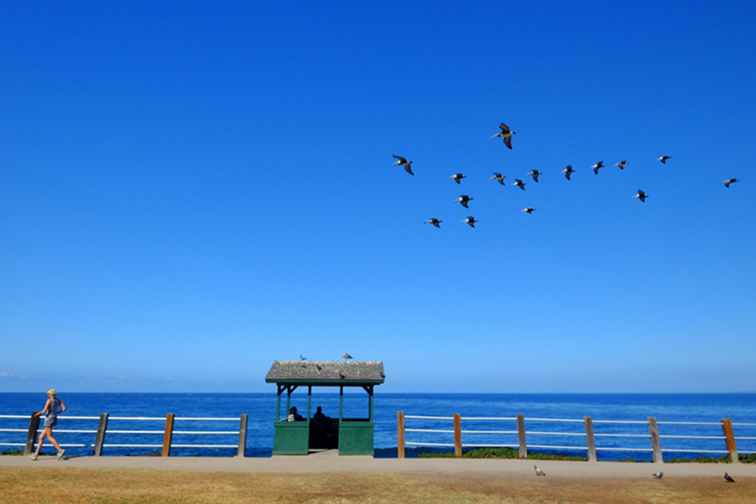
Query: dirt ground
[105,486]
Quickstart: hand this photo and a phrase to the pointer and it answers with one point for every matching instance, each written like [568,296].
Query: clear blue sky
[191,191]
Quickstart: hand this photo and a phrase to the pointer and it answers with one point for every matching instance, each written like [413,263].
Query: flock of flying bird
[506,134]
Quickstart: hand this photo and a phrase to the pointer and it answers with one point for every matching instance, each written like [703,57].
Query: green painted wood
[355,437]
[291,438]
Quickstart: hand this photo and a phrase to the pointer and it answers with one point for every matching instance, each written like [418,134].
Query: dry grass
[139,486]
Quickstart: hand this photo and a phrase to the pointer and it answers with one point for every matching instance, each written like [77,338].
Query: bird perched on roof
[539,471]
[664,158]
[528,210]
[404,163]
[506,135]
[567,171]
[535,174]
[457,177]
[728,478]
[597,166]
[464,200]
[622,164]
[641,195]
[727,183]
[519,183]
[498,177]
[658,475]
[302,357]
[470,221]
[433,221]
[346,356]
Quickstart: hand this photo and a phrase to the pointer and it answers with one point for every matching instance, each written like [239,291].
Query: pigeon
[658,475]
[535,174]
[457,177]
[464,199]
[470,221]
[433,221]
[641,195]
[622,164]
[664,158]
[727,183]
[528,210]
[728,478]
[597,166]
[568,171]
[302,357]
[519,183]
[539,471]
[404,163]
[506,135]
[346,356]
[498,177]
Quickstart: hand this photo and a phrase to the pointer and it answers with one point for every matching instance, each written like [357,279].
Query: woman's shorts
[50,422]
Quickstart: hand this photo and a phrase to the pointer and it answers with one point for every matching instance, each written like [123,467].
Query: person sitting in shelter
[294,415]
[319,416]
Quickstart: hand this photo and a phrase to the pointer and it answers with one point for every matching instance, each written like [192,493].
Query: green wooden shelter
[352,436]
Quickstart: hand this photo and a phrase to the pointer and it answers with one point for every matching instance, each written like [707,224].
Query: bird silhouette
[519,183]
[528,210]
[346,356]
[664,158]
[622,164]
[539,471]
[535,175]
[658,475]
[506,135]
[464,200]
[498,177]
[567,171]
[457,177]
[434,222]
[302,357]
[728,478]
[641,195]
[404,163]
[727,183]
[597,166]
[470,221]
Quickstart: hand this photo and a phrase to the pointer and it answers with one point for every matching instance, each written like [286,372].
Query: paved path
[332,463]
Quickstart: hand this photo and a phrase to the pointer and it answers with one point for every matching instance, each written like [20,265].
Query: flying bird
[568,171]
[728,478]
[664,158]
[498,177]
[727,183]
[346,356]
[658,475]
[597,166]
[528,210]
[519,183]
[641,195]
[434,222]
[464,200]
[506,135]
[535,174]
[539,471]
[622,164]
[457,177]
[404,163]
[470,221]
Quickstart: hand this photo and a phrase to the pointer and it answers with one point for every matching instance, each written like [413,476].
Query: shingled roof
[326,372]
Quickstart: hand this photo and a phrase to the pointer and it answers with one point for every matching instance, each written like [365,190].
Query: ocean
[261,410]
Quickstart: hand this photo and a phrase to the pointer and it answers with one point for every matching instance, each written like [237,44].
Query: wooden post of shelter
[168,434]
[100,436]
[523,450]
[729,434]
[590,440]
[31,434]
[457,435]
[653,430]
[243,422]
[341,402]
[400,434]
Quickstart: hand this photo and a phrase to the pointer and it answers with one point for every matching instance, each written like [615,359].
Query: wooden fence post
[732,449]
[31,434]
[523,451]
[653,430]
[400,434]
[457,435]
[168,434]
[100,436]
[590,440]
[243,422]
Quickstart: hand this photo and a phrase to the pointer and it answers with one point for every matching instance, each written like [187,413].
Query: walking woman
[53,408]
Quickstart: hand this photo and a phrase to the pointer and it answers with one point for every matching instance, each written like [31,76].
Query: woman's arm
[44,410]
[62,406]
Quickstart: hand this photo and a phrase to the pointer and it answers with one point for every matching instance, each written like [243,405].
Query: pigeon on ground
[471,221]
[346,356]
[404,163]
[664,158]
[519,183]
[568,171]
[597,166]
[539,471]
[728,478]
[433,221]
[506,135]
[622,164]
[535,174]
[457,177]
[658,475]
[641,195]
[498,177]
[464,200]
[528,210]
[727,183]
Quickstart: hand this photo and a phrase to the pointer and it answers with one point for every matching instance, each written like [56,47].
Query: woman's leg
[48,432]
[40,442]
